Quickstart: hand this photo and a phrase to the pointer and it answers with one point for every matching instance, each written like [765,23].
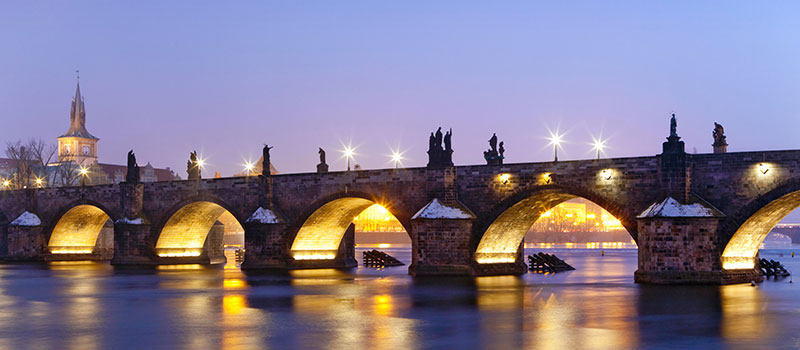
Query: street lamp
[555,140]
[599,145]
[348,153]
[84,172]
[6,184]
[38,182]
[248,168]
[396,158]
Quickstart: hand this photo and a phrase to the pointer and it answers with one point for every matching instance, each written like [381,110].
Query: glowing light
[397,158]
[201,162]
[546,178]
[6,183]
[495,260]
[71,251]
[39,182]
[348,153]
[555,140]
[249,167]
[84,171]
[315,256]
[598,145]
[178,253]
[607,174]
[384,245]
[763,169]
[503,178]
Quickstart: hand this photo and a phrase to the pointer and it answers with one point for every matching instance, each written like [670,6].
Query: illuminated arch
[321,233]
[762,216]
[501,239]
[77,230]
[185,232]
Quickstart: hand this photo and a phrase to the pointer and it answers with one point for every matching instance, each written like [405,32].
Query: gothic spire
[77,116]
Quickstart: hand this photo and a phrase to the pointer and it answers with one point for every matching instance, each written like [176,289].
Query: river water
[93,306]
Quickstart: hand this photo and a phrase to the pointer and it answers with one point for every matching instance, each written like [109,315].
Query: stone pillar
[134,241]
[212,248]
[265,246]
[134,244]
[26,243]
[675,170]
[440,247]
[684,250]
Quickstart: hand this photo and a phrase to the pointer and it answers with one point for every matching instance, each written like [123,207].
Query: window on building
[86,150]
[67,149]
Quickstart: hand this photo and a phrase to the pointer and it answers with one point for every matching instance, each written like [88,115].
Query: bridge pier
[684,250]
[265,246]
[133,244]
[441,247]
[26,243]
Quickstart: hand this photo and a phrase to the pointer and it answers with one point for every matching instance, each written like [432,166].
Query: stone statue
[133,169]
[266,162]
[322,167]
[720,143]
[673,126]
[438,140]
[439,157]
[501,150]
[491,155]
[193,167]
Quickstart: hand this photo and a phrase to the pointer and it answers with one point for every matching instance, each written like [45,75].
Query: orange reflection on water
[743,318]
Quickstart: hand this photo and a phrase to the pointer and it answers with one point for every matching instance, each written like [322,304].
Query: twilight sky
[164,78]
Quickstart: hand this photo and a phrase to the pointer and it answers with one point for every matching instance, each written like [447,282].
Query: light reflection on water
[93,306]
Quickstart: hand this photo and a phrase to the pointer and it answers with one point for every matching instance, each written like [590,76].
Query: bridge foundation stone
[133,245]
[684,250]
[440,247]
[26,243]
[265,246]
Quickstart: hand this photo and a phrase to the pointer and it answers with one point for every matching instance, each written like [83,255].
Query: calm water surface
[92,306]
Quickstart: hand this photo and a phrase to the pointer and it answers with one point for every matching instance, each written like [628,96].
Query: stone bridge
[463,220]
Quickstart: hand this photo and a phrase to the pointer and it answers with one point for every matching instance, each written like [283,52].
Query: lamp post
[396,158]
[555,140]
[84,173]
[599,145]
[348,153]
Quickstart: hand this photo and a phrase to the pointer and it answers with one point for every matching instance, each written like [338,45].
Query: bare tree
[29,162]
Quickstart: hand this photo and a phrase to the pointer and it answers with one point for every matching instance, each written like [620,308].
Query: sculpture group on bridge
[494,156]
[266,161]
[720,143]
[133,169]
[439,157]
[193,167]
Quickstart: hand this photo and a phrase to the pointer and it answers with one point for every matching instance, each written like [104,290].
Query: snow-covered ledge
[137,221]
[671,208]
[263,216]
[27,219]
[437,210]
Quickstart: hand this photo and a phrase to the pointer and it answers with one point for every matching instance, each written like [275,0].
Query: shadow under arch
[500,237]
[319,236]
[79,231]
[752,224]
[190,230]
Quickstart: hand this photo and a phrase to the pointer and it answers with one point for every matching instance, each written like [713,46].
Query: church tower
[78,145]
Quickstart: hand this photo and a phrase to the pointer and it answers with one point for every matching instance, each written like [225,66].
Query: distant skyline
[168,78]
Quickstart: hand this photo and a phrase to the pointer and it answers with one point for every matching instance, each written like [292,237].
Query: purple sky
[164,78]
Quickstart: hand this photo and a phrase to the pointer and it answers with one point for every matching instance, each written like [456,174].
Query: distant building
[78,149]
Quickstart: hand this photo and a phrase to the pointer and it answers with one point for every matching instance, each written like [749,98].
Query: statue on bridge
[193,166]
[265,163]
[674,145]
[492,156]
[133,169]
[720,143]
[322,167]
[439,157]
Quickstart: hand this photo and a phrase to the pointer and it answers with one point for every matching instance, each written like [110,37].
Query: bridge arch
[79,230]
[185,231]
[319,233]
[744,232]
[498,237]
